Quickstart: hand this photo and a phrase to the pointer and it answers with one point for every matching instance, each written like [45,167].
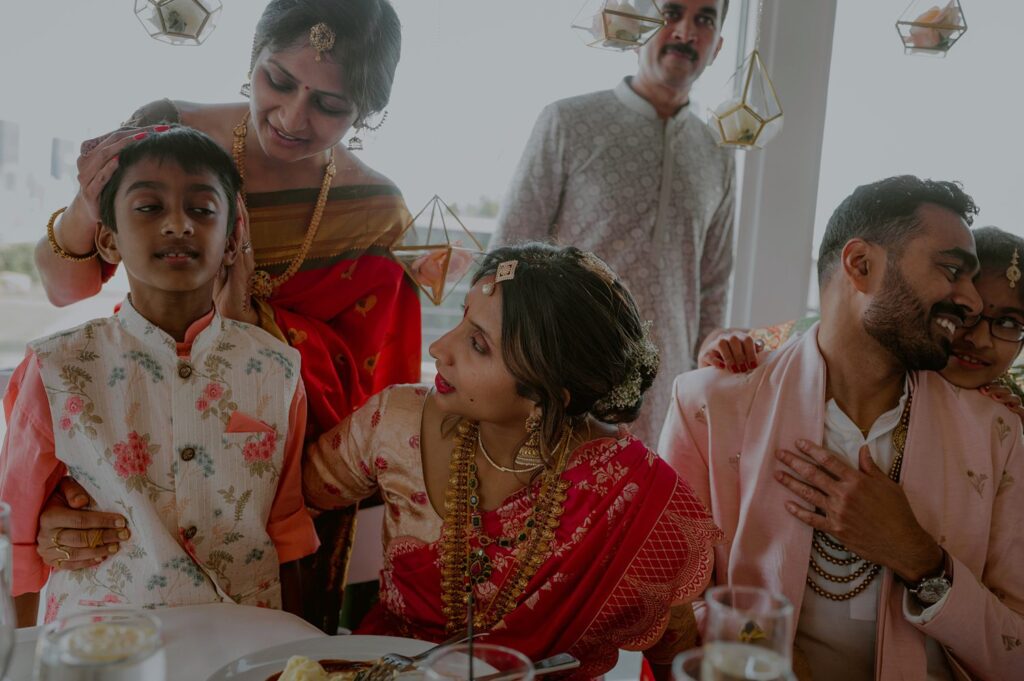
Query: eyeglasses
[1003,328]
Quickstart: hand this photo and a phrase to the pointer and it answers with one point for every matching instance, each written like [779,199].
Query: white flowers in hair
[642,359]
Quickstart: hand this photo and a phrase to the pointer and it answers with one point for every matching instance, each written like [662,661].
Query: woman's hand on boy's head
[231,293]
[69,538]
[97,161]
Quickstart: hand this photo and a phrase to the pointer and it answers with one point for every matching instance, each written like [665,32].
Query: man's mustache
[684,49]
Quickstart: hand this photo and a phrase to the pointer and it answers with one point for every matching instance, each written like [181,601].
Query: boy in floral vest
[188,423]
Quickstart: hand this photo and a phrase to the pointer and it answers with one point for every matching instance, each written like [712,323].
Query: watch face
[932,590]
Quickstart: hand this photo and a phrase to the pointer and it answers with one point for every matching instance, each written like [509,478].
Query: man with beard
[898,539]
[633,175]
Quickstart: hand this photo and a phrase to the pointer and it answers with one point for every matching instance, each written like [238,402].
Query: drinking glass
[101,645]
[689,666]
[457,663]
[747,635]
[8,620]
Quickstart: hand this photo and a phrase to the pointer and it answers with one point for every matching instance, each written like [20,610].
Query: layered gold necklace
[464,565]
[835,553]
[261,284]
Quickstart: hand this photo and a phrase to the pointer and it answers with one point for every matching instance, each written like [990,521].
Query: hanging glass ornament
[752,116]
[436,250]
[926,28]
[618,24]
[178,22]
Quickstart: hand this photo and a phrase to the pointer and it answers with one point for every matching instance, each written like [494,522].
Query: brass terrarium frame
[436,250]
[922,34]
[158,18]
[612,17]
[742,123]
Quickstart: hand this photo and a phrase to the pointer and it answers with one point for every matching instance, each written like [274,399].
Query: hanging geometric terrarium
[178,22]
[926,28]
[436,250]
[618,24]
[752,117]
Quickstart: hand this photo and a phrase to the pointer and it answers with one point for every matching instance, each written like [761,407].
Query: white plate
[259,666]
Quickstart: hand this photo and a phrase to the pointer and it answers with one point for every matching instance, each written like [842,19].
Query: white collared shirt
[838,637]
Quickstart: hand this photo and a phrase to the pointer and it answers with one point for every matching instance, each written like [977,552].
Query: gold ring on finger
[64,552]
[95,538]
[60,563]
[55,539]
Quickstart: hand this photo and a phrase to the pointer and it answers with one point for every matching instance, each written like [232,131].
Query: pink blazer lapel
[771,547]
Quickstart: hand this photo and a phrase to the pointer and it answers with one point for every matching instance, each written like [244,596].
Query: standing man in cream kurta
[847,474]
[634,176]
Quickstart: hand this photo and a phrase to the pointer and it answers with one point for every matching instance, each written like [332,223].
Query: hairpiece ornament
[599,266]
[506,272]
[321,39]
[1013,271]
[643,356]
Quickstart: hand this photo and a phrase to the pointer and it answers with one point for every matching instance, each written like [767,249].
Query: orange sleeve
[290,526]
[29,470]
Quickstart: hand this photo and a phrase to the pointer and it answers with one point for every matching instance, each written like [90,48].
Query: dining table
[198,639]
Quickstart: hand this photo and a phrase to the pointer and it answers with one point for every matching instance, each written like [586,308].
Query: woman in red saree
[509,480]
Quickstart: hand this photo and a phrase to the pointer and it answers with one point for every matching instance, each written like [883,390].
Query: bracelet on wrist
[56,248]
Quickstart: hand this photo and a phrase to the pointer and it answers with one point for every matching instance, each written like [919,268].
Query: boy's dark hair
[569,325]
[885,213]
[995,253]
[368,42]
[190,149]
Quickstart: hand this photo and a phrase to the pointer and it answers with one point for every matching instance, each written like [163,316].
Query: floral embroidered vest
[147,434]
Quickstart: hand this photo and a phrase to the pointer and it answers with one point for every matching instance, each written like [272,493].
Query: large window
[952,118]
[473,77]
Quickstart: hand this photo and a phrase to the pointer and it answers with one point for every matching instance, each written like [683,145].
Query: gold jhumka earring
[321,39]
[1013,271]
[529,455]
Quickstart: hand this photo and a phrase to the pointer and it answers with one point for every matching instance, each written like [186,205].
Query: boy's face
[171,229]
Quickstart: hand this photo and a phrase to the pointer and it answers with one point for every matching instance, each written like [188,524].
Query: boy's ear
[106,245]
[231,248]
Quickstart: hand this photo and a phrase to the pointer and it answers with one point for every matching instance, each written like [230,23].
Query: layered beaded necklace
[465,565]
[834,552]
[261,283]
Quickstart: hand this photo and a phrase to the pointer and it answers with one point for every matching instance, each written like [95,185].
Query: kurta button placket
[184,370]
[188,454]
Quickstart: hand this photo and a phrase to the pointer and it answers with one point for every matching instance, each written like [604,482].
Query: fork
[391,665]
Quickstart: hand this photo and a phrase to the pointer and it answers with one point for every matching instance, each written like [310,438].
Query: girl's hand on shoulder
[1003,395]
[733,350]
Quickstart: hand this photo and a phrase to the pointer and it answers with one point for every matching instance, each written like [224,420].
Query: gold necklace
[503,469]
[461,567]
[261,283]
[827,547]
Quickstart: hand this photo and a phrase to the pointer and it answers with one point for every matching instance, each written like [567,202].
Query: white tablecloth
[199,639]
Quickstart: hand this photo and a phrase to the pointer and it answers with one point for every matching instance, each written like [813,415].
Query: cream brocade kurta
[654,198]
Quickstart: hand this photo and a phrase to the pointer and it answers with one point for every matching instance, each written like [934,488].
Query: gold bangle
[52,238]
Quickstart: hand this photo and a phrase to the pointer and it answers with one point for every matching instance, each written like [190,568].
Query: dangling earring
[529,455]
[246,89]
[355,142]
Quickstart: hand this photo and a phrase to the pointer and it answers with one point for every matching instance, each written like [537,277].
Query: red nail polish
[743,368]
[139,135]
[754,365]
[162,128]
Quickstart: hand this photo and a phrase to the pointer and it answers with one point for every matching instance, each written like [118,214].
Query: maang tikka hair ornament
[506,272]
[321,39]
[1013,271]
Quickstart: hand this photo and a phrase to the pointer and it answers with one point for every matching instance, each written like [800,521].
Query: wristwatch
[930,590]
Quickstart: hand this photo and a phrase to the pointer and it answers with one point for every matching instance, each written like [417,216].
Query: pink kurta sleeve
[290,526]
[982,620]
[678,447]
[340,469]
[29,470]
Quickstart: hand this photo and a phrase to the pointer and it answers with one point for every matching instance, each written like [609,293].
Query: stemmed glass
[103,644]
[747,635]
[8,622]
[467,661]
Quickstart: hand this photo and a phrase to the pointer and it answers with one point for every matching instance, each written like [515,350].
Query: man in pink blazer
[884,502]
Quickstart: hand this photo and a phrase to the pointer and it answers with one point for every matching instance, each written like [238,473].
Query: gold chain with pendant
[462,565]
[261,284]
[827,547]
